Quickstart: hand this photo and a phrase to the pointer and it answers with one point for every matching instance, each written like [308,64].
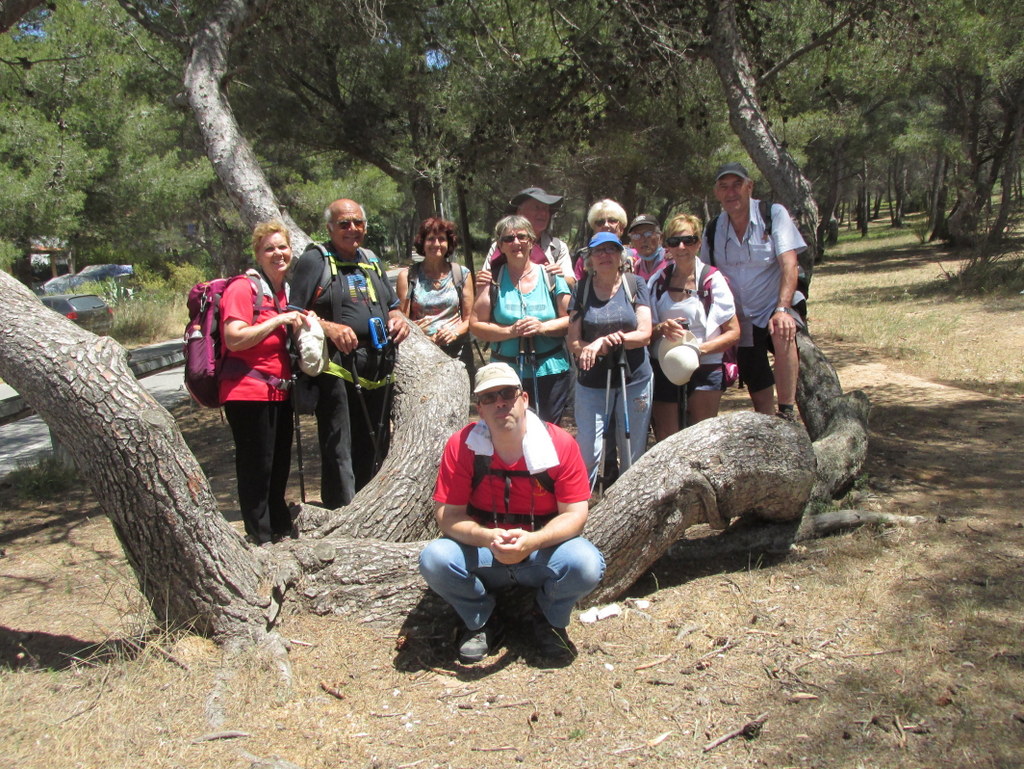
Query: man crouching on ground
[512,499]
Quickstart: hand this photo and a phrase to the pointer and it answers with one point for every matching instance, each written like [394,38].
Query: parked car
[87,310]
[94,273]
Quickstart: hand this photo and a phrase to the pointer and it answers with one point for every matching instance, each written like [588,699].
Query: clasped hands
[510,546]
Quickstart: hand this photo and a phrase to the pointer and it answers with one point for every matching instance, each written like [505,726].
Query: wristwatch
[780,308]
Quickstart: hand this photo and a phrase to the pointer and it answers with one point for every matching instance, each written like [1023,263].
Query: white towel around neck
[538,448]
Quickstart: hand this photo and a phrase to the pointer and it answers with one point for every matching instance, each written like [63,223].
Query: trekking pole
[684,392]
[598,469]
[531,352]
[620,362]
[298,452]
[361,397]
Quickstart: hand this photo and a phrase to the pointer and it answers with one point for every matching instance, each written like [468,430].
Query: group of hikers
[641,320]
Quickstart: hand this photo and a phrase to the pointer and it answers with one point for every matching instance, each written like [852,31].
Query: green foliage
[44,481]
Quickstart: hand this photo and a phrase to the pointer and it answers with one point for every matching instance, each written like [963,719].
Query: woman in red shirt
[254,380]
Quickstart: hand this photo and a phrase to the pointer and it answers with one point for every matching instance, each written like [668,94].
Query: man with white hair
[511,502]
[346,287]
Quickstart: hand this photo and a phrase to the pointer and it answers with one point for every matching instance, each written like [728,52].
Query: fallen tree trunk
[198,572]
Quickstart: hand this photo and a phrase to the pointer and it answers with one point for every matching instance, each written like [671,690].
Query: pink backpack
[204,353]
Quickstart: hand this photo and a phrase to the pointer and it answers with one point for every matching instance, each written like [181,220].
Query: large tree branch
[230,153]
[749,122]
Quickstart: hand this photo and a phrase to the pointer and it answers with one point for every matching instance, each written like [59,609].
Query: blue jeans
[590,416]
[466,577]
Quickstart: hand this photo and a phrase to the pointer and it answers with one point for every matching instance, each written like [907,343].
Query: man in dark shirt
[346,287]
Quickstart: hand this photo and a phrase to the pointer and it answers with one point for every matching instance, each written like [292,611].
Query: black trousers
[262,431]
[351,438]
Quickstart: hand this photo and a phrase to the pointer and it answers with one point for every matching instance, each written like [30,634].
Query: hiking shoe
[475,645]
[787,416]
[552,643]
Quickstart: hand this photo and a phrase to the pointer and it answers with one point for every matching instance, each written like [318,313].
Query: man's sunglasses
[509,393]
[520,236]
[686,240]
[345,224]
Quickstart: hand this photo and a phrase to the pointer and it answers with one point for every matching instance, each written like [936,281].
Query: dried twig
[332,690]
[749,730]
[653,663]
[495,750]
[228,735]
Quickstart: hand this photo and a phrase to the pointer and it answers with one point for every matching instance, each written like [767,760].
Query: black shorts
[755,370]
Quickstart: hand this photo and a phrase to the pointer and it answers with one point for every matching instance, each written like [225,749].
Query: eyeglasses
[522,237]
[686,240]
[345,224]
[505,393]
[643,235]
[606,222]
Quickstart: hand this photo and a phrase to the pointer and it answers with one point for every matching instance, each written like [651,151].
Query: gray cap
[537,194]
[642,220]
[737,169]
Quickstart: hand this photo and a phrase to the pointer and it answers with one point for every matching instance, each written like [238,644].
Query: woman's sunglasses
[686,240]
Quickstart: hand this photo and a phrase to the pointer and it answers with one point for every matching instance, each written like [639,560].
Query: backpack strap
[662,283]
[704,287]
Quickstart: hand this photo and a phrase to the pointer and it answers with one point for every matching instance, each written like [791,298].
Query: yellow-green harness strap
[365,267]
[335,369]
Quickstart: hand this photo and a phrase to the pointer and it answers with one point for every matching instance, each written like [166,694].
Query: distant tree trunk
[750,124]
[1010,169]
[899,179]
[937,213]
[863,201]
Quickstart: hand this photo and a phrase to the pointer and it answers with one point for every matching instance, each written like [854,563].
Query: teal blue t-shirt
[552,357]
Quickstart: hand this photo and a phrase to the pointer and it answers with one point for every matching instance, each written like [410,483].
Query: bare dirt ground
[892,647]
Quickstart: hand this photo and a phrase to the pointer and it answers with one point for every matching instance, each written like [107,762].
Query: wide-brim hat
[679,358]
[737,169]
[554,201]
[495,375]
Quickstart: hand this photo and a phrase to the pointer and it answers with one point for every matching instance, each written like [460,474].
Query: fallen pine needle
[659,739]
[494,750]
[749,730]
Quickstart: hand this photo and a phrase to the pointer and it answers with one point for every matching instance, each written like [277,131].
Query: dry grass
[895,648]
[902,300]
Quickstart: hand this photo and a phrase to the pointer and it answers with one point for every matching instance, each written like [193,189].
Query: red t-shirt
[269,356]
[455,478]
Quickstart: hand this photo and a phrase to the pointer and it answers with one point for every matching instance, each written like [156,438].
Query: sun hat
[679,358]
[737,169]
[537,194]
[495,375]
[604,237]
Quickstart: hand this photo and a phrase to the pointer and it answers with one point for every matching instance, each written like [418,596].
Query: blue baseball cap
[604,237]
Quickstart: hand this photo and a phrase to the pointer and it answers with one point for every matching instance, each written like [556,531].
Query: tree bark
[749,122]
[11,11]
[194,569]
